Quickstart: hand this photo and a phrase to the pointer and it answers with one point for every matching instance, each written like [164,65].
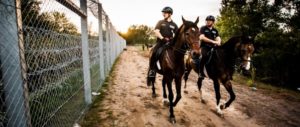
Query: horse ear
[183,20]
[197,20]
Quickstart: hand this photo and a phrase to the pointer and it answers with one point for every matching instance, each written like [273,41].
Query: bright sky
[124,13]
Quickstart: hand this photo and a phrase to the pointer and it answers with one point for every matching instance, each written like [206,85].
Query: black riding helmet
[210,18]
[167,10]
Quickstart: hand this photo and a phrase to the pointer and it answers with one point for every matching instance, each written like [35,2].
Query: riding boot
[200,66]
[151,72]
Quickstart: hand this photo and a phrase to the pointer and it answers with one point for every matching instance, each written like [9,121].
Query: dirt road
[129,102]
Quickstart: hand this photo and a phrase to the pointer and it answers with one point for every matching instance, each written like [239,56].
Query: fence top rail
[69,4]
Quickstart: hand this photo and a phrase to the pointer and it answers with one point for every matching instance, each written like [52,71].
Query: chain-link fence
[54,55]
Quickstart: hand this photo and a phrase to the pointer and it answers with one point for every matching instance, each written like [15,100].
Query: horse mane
[237,39]
[185,26]
[231,42]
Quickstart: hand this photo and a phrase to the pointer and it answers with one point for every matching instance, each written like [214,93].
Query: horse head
[189,34]
[244,51]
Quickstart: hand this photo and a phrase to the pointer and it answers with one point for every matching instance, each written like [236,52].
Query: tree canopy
[54,21]
[139,34]
[276,25]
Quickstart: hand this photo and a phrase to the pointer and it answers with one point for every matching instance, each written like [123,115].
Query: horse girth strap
[210,53]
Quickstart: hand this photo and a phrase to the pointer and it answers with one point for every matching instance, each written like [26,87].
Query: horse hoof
[221,115]
[203,101]
[219,111]
[222,106]
[166,102]
[172,120]
[154,95]
[185,91]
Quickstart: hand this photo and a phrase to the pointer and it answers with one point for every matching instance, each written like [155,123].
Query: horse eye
[187,33]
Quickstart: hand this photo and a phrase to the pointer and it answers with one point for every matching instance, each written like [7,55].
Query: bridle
[185,45]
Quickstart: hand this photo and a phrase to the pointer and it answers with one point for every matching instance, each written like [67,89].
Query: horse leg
[199,83]
[186,75]
[229,89]
[165,100]
[178,90]
[171,97]
[218,95]
[151,75]
[153,90]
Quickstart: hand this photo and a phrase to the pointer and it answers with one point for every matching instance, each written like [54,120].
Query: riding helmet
[210,18]
[167,10]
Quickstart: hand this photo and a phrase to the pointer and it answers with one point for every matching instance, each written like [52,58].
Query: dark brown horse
[220,65]
[172,61]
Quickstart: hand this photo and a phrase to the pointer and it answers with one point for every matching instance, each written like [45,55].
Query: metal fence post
[115,44]
[107,45]
[13,65]
[102,76]
[111,45]
[85,54]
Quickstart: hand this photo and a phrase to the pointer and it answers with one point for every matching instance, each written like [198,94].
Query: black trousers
[204,59]
[156,53]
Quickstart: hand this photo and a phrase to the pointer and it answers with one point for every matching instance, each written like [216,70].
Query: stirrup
[151,73]
[200,75]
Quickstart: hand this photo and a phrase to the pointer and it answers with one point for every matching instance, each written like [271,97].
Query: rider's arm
[205,39]
[158,34]
[175,30]
[218,40]
[157,30]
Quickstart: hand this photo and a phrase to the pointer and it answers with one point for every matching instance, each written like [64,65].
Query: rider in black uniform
[209,37]
[164,31]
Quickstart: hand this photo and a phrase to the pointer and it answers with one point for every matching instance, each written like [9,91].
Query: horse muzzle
[246,64]
[195,53]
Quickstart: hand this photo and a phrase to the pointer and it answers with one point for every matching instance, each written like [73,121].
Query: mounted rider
[209,37]
[164,31]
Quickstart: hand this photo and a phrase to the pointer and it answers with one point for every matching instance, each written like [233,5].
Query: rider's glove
[166,39]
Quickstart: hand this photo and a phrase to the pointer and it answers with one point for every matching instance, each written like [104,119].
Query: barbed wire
[53,62]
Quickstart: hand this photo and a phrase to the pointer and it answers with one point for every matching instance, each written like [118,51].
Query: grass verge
[92,117]
[267,88]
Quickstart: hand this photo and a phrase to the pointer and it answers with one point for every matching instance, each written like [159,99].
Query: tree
[54,21]
[138,34]
[277,26]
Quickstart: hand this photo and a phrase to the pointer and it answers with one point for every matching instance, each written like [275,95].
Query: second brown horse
[220,65]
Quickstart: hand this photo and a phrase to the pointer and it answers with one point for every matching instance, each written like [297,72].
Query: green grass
[268,88]
[92,118]
[95,77]
[69,96]
[63,102]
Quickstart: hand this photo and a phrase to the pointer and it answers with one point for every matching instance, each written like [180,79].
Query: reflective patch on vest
[206,31]
[172,27]
[214,32]
[163,24]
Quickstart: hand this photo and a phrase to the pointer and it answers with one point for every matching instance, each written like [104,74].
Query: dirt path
[129,102]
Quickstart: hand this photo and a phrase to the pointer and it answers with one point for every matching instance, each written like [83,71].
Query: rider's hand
[166,40]
[216,43]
